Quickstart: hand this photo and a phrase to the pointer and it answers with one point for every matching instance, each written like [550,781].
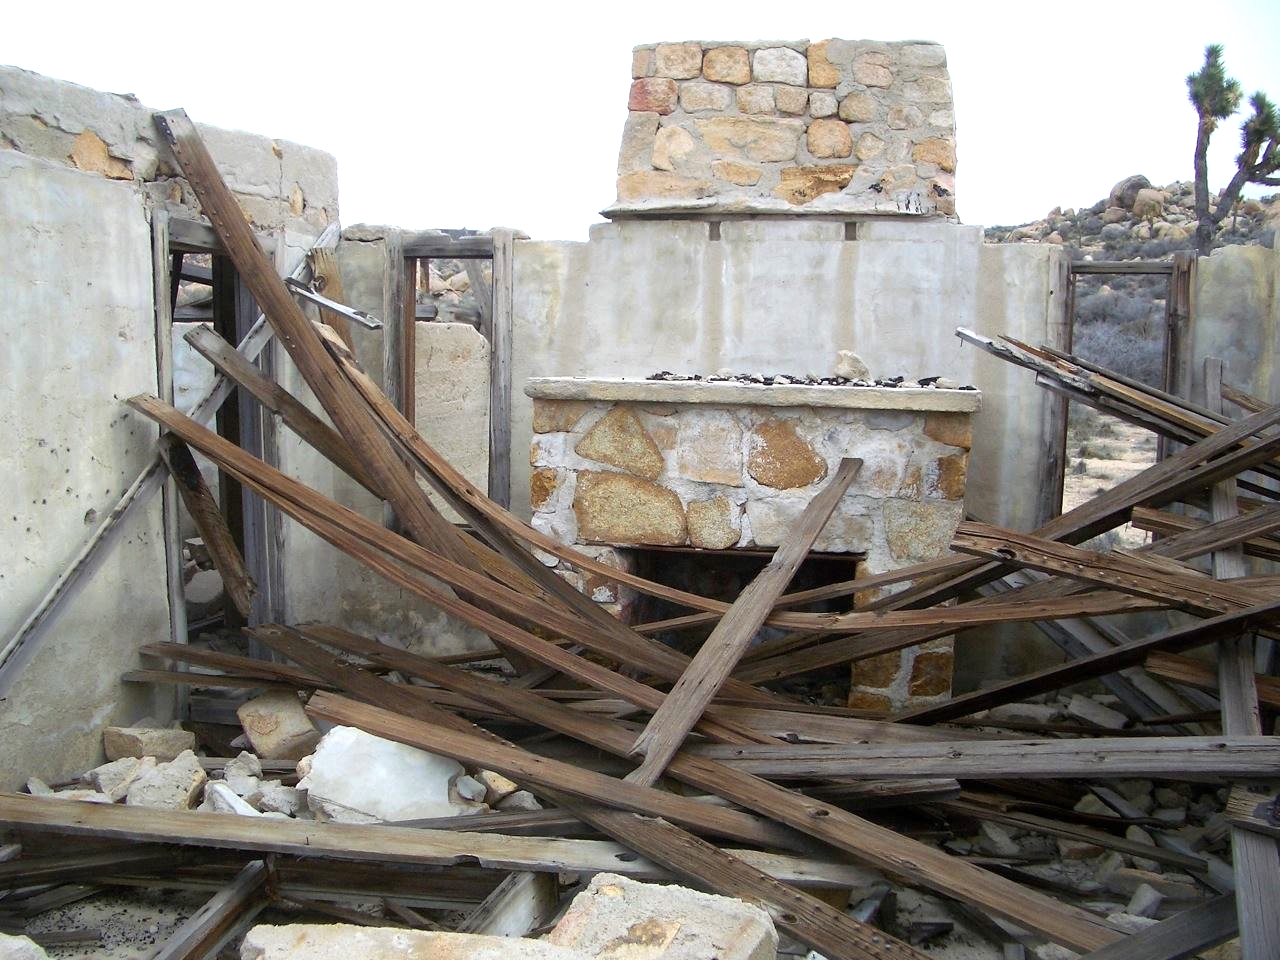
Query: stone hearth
[723,465]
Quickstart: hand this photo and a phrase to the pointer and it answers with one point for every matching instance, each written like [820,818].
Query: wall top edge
[752,394]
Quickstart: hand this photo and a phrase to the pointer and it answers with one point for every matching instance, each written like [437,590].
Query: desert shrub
[1112,306]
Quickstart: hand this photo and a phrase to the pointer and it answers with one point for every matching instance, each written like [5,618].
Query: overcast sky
[487,114]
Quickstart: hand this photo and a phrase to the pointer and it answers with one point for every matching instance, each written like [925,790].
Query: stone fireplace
[725,465]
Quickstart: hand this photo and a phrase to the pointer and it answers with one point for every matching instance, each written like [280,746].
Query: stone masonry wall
[789,127]
[725,476]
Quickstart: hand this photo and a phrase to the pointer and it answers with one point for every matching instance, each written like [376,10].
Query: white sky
[487,114]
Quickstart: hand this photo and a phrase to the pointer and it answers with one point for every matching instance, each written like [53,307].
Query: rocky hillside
[1140,221]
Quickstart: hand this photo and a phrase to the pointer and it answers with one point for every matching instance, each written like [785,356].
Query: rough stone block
[727,65]
[642,62]
[696,97]
[558,416]
[359,778]
[763,139]
[496,786]
[618,918]
[858,108]
[635,155]
[878,671]
[756,98]
[682,61]
[920,531]
[653,95]
[161,743]
[870,701]
[742,174]
[822,104]
[619,508]
[277,726]
[341,941]
[822,72]
[709,449]
[936,151]
[713,524]
[780,65]
[931,673]
[168,786]
[672,145]
[953,429]
[791,100]
[801,185]
[871,74]
[620,440]
[829,138]
[781,458]
[945,477]
[661,185]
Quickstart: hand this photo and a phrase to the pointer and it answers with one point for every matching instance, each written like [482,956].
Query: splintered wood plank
[1158,757]
[1195,673]
[866,841]
[1183,935]
[719,654]
[1252,810]
[1255,859]
[1256,526]
[1086,668]
[209,522]
[327,279]
[200,932]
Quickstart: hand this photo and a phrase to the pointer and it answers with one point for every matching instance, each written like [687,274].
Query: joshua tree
[1216,97]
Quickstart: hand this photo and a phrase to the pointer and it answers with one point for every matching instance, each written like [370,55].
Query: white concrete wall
[76,289]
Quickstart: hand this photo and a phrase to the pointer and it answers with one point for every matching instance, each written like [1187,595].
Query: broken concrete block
[1145,901]
[359,778]
[342,941]
[163,743]
[114,778]
[1129,922]
[243,774]
[275,798]
[468,789]
[220,798]
[1171,886]
[278,727]
[38,788]
[520,800]
[1090,711]
[204,594]
[169,786]
[996,840]
[496,786]
[87,796]
[20,948]
[616,918]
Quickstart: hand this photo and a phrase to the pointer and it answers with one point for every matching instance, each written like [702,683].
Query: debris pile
[386,788]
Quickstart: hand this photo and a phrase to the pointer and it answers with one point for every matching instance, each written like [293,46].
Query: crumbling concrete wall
[1235,315]
[80,173]
[774,296]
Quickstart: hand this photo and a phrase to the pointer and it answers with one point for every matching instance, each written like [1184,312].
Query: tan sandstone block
[801,185]
[712,524]
[936,151]
[829,138]
[727,65]
[709,450]
[869,146]
[791,100]
[90,153]
[543,484]
[671,145]
[872,74]
[555,416]
[683,61]
[931,673]
[620,440]
[953,429]
[947,476]
[920,531]
[781,458]
[858,108]
[822,72]
[755,98]
[871,702]
[878,671]
[642,62]
[162,743]
[696,96]
[763,139]
[277,726]
[660,185]
[743,174]
[620,508]
[653,95]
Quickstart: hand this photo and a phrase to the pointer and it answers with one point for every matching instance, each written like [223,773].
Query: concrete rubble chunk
[87,796]
[467,788]
[243,774]
[169,786]
[220,798]
[341,941]
[520,800]
[359,778]
[20,948]
[1145,901]
[115,777]
[1126,880]
[164,744]
[1090,711]
[620,919]
[277,726]
[276,798]
[996,840]
[496,786]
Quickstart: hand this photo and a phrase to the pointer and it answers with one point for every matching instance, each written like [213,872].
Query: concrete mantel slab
[726,393]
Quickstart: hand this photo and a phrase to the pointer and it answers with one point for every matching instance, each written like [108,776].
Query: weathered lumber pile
[652,764]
